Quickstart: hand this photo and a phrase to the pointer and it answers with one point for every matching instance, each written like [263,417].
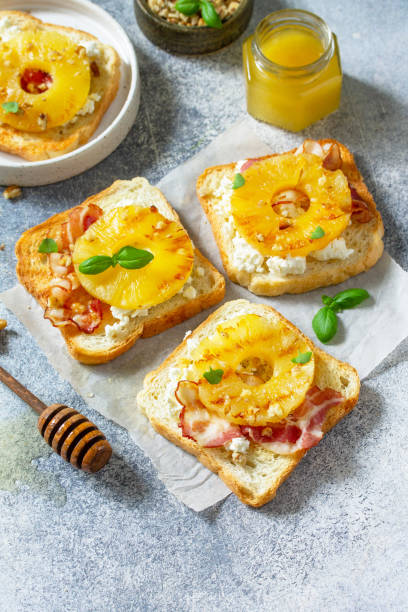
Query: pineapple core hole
[290,203]
[35,81]
[254,371]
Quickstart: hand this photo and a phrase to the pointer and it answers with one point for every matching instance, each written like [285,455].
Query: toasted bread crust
[60,140]
[332,272]
[209,457]
[34,274]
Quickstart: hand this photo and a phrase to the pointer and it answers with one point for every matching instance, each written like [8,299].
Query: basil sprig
[48,245]
[325,321]
[302,357]
[127,257]
[238,181]
[213,376]
[10,107]
[208,12]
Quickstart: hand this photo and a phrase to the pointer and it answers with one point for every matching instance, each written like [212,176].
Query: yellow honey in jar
[292,69]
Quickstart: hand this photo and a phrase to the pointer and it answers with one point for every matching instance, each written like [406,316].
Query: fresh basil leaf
[238,181]
[349,298]
[210,15]
[302,357]
[131,258]
[325,324]
[213,376]
[317,233]
[96,264]
[187,7]
[48,245]
[10,107]
[327,300]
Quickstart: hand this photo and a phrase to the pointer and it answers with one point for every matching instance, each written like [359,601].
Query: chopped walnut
[12,192]
[166,10]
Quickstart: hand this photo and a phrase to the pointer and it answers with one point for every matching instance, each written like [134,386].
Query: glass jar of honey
[292,69]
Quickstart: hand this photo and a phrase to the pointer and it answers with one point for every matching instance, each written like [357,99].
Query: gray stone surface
[334,536]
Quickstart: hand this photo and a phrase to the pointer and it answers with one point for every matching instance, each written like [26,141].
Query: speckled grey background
[335,536]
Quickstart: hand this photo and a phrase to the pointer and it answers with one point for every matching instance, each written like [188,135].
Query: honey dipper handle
[22,392]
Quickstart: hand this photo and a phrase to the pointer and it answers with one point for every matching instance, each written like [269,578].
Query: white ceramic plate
[117,120]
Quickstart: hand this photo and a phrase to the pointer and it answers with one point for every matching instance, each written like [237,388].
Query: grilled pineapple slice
[256,205]
[253,398]
[47,75]
[142,228]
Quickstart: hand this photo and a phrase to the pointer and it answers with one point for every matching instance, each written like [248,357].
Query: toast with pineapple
[248,394]
[116,268]
[55,85]
[292,222]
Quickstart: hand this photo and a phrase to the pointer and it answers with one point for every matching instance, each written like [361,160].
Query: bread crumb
[91,394]
[12,192]
[3,323]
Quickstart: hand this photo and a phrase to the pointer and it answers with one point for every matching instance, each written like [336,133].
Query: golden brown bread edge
[335,414]
[33,273]
[329,274]
[49,144]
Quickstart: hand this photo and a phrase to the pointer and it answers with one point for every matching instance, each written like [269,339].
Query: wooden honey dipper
[66,430]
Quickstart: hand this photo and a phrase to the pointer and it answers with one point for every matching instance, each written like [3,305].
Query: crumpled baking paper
[366,334]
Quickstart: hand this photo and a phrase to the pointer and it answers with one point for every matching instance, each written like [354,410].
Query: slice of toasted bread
[56,141]
[99,347]
[256,482]
[364,238]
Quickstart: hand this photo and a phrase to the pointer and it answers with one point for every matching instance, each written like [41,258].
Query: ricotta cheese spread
[92,48]
[121,327]
[8,28]
[246,258]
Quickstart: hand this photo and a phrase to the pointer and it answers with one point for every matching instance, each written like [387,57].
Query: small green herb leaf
[131,258]
[317,233]
[210,15]
[349,298]
[187,7]
[327,300]
[302,357]
[10,107]
[213,376]
[238,181]
[48,245]
[325,324]
[96,264]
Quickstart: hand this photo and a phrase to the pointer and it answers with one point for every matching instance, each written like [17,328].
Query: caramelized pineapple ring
[49,77]
[325,202]
[142,228]
[250,399]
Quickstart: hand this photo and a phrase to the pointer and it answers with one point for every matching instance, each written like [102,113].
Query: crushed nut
[12,192]
[2,246]
[3,323]
[166,10]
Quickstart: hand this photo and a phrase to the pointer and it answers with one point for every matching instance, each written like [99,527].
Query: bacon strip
[68,302]
[302,429]
[197,423]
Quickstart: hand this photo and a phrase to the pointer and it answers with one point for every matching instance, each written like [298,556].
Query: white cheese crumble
[248,259]
[336,249]
[237,445]
[87,109]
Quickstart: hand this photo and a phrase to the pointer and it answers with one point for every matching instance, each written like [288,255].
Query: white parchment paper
[366,335]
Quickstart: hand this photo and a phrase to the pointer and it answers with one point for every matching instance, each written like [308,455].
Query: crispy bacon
[68,303]
[302,429]
[197,423]
[79,220]
[249,163]
[332,160]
